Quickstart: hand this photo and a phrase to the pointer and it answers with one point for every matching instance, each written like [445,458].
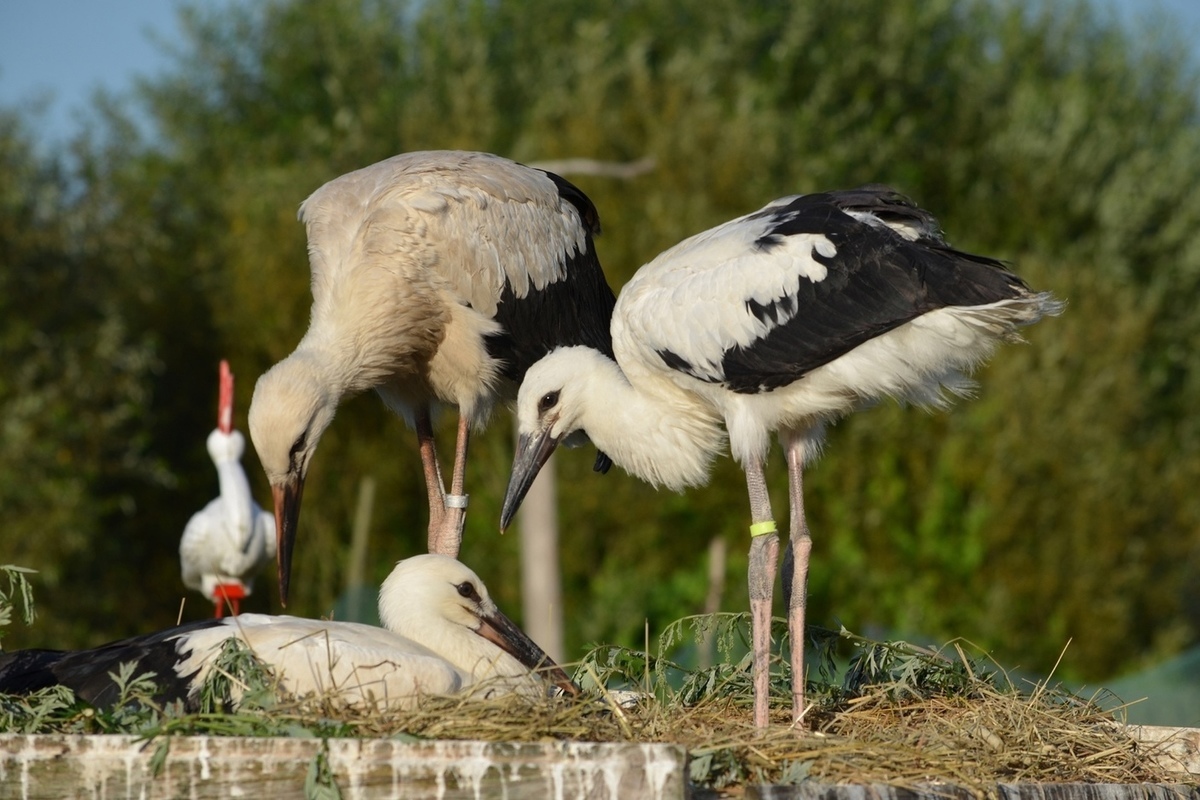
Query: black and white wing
[513,243]
[564,302]
[341,661]
[89,672]
[758,302]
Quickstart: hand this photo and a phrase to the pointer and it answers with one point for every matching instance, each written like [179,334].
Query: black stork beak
[533,450]
[502,632]
[287,497]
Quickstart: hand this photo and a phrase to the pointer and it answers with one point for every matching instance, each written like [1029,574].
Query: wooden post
[712,601]
[360,535]
[541,573]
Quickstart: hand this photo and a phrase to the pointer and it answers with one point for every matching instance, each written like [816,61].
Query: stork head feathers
[551,403]
[289,412]
[546,395]
[226,448]
[433,589]
[650,429]
[441,603]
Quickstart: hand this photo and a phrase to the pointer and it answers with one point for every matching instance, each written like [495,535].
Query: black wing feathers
[876,281]
[576,310]
[575,196]
[86,672]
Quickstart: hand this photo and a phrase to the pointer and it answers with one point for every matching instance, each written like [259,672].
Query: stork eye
[549,400]
[467,589]
[297,449]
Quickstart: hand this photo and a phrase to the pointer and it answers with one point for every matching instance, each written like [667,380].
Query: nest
[900,715]
[974,743]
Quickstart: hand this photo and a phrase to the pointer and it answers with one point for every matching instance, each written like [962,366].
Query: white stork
[231,538]
[442,634]
[437,278]
[779,321]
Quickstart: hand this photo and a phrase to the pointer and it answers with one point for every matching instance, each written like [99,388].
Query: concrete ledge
[1176,749]
[110,767]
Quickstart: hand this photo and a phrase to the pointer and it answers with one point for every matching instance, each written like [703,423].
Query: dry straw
[900,715]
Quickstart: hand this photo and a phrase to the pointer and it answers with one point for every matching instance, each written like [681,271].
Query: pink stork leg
[447,512]
[456,501]
[796,583]
[764,553]
[433,478]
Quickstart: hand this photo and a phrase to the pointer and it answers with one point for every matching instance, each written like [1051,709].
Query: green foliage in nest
[17,597]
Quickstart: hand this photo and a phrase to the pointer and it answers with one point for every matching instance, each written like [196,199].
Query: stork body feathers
[433,276]
[442,634]
[805,309]
[231,538]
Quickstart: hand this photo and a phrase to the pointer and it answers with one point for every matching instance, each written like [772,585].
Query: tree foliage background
[1060,504]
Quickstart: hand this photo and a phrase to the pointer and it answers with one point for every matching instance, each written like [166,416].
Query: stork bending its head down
[779,321]
[438,278]
[442,634]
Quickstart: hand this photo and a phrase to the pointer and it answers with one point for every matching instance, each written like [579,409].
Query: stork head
[289,412]
[550,409]
[225,448]
[442,604]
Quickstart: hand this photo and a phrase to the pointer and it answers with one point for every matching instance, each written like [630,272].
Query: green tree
[74,452]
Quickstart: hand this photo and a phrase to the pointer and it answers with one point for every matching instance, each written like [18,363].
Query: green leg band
[763,528]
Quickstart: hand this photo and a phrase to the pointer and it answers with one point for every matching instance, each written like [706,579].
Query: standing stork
[442,634]
[779,321]
[231,538]
[437,278]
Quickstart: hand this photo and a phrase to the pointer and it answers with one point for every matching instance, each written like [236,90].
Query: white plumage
[442,634]
[232,538]
[437,279]
[779,321]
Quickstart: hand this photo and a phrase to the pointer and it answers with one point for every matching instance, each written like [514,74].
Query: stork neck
[334,366]
[235,492]
[664,436]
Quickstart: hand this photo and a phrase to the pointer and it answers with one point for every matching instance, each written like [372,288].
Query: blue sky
[63,50]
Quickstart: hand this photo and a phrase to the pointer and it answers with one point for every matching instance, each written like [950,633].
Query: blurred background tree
[1059,505]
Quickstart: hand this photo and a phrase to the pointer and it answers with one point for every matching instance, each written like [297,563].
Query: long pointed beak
[503,632]
[287,517]
[533,450]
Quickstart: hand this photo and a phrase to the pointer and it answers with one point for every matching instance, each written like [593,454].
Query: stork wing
[88,672]
[343,662]
[762,300]
[509,241]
